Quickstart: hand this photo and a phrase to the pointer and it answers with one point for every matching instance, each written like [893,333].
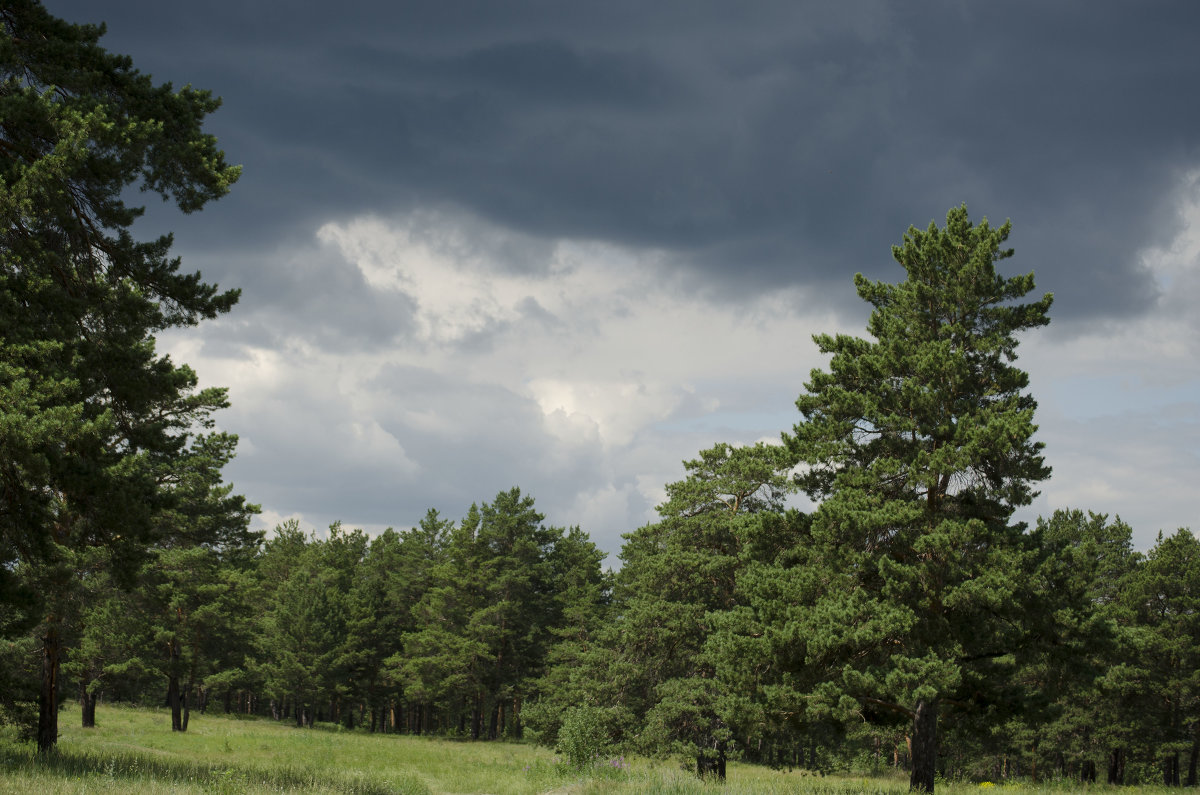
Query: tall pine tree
[918,444]
[88,409]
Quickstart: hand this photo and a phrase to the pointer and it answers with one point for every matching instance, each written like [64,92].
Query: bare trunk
[174,698]
[87,706]
[47,731]
[1171,770]
[1192,761]
[173,701]
[924,746]
[1116,766]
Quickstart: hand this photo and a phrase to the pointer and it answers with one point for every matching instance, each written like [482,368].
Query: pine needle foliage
[919,444]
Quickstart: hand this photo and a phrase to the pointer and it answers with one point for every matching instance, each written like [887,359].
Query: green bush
[583,736]
[540,722]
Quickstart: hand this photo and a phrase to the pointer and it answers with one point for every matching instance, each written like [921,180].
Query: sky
[566,246]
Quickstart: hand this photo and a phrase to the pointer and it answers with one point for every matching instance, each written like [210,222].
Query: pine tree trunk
[924,747]
[1116,766]
[87,706]
[47,731]
[1192,760]
[173,701]
[493,718]
[173,695]
[1171,770]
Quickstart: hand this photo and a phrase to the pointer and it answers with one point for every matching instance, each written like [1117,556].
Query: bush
[583,736]
[540,722]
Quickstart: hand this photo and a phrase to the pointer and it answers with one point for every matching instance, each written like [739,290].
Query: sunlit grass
[133,751]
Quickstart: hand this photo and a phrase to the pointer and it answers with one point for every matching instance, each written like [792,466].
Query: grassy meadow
[133,751]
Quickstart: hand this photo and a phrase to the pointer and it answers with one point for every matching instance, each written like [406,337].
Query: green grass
[133,751]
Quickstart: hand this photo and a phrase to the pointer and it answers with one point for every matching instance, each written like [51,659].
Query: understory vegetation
[129,753]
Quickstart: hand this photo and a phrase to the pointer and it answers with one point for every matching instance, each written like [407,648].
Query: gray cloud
[761,145]
[700,162]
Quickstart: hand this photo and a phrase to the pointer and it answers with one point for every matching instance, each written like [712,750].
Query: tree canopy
[92,418]
[919,445]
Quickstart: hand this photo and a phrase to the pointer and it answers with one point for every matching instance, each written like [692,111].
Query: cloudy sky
[565,246]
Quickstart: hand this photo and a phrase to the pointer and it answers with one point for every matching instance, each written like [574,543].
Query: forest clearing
[130,751]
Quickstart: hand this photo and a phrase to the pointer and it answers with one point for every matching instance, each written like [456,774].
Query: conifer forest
[906,621]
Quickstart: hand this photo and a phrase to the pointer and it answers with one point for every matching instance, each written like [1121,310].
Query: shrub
[583,736]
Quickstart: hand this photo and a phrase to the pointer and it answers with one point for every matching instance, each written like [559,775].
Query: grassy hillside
[133,751]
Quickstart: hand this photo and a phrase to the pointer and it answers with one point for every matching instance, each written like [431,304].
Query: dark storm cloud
[758,145]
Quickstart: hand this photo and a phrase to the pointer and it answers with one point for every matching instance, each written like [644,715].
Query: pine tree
[1064,713]
[88,409]
[441,667]
[918,445]
[1164,595]
[306,652]
[420,560]
[375,622]
[680,577]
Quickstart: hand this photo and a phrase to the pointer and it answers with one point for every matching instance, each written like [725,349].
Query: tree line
[498,627]
[907,619]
